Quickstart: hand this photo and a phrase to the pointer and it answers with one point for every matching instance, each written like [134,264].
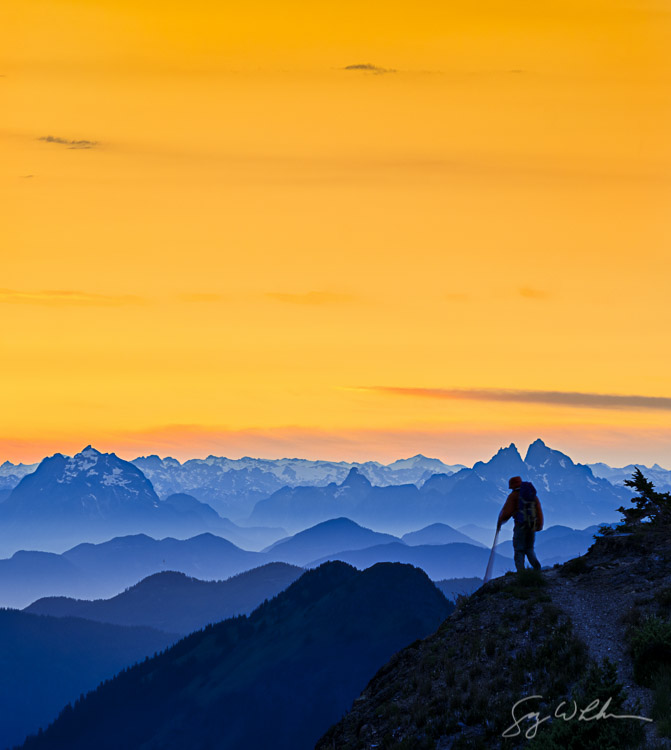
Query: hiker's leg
[519,561]
[519,548]
[531,554]
[533,559]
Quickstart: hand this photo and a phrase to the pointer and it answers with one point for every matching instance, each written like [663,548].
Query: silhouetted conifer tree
[649,507]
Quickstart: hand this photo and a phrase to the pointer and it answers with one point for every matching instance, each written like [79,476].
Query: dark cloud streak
[552,398]
[369,68]
[66,142]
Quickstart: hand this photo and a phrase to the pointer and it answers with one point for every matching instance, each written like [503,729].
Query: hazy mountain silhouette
[455,587]
[569,492]
[93,571]
[124,561]
[49,661]
[11,474]
[616,475]
[557,544]
[327,537]
[233,486]
[201,516]
[176,603]
[93,496]
[439,561]
[438,533]
[189,506]
[28,575]
[277,678]
[306,505]
[485,535]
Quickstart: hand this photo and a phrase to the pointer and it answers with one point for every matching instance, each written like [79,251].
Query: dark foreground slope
[540,635]
[47,661]
[277,678]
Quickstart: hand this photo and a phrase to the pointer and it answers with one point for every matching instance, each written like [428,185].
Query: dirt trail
[596,602]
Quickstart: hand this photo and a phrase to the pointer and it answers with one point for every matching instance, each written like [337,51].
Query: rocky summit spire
[540,455]
[356,479]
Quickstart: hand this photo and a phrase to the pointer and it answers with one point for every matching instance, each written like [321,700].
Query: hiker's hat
[514,482]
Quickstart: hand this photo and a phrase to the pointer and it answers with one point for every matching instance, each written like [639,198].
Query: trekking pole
[490,564]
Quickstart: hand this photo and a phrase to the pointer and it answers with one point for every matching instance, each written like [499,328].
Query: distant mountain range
[660,477]
[335,535]
[569,492]
[91,571]
[557,544]
[50,661]
[11,474]
[95,496]
[95,571]
[438,533]
[277,678]
[486,535]
[234,486]
[438,561]
[455,587]
[174,602]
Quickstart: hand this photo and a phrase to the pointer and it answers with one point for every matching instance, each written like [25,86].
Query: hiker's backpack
[526,512]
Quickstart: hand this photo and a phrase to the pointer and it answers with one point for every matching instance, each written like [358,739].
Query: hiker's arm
[508,510]
[539,516]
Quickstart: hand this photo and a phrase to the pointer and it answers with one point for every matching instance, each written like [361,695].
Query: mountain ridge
[569,494]
[176,603]
[297,658]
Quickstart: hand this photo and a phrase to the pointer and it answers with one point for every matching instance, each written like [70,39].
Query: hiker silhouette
[524,507]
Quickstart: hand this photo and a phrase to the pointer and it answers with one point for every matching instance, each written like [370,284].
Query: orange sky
[217,238]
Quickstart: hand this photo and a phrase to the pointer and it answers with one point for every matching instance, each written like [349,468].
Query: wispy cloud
[311,298]
[531,293]
[369,68]
[553,398]
[68,143]
[66,297]
[202,297]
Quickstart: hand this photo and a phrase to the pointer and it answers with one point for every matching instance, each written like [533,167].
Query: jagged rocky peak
[90,451]
[511,450]
[507,455]
[506,462]
[540,455]
[86,459]
[88,454]
[355,479]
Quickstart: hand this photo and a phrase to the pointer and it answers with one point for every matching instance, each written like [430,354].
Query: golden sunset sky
[340,230]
